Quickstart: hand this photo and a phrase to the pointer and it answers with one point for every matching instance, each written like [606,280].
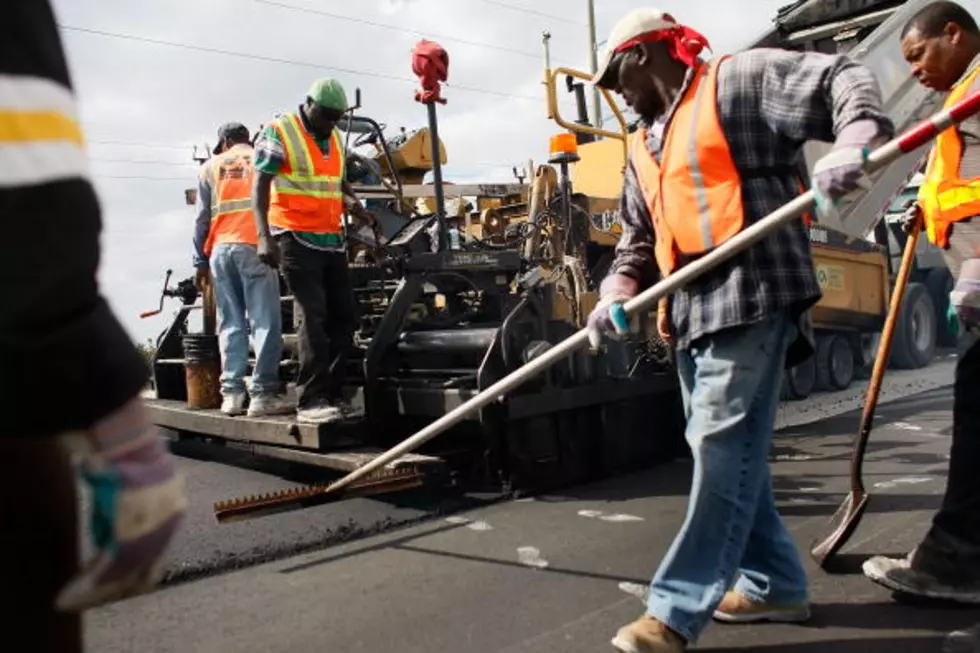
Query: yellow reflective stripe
[953,197]
[321,194]
[292,184]
[338,150]
[229,206]
[33,126]
[300,160]
[292,143]
[697,175]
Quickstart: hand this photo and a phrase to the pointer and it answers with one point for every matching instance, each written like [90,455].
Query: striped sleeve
[67,361]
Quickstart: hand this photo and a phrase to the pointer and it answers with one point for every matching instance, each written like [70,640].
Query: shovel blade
[841,527]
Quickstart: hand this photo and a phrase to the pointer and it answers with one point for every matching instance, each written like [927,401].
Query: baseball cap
[235,130]
[635,23]
[329,94]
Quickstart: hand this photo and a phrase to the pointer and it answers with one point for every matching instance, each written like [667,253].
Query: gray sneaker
[319,414]
[898,575]
[269,404]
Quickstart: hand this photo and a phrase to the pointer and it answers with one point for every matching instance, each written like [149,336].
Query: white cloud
[134,91]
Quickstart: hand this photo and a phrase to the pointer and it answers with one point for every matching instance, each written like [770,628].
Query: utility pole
[594,65]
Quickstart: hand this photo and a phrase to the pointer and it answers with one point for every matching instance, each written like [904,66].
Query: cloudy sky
[156,77]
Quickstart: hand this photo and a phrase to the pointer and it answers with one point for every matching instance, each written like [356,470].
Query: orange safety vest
[695,196]
[945,197]
[232,220]
[306,192]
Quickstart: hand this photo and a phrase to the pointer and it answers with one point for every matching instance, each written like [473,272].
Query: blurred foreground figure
[70,376]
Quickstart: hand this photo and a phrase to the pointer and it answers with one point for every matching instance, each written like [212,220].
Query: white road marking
[531,556]
[634,589]
[793,456]
[810,488]
[524,500]
[907,480]
[905,426]
[590,513]
[479,526]
[457,520]
[620,518]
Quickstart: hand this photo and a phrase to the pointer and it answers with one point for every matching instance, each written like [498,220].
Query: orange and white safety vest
[306,192]
[230,177]
[945,197]
[694,196]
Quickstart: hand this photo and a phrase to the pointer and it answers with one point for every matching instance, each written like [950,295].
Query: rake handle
[792,210]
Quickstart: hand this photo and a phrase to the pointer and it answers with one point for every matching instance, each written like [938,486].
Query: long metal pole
[437,177]
[593,67]
[792,210]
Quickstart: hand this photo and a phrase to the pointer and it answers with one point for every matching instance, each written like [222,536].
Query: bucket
[202,370]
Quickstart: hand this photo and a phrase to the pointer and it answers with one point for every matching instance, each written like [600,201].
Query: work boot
[233,404]
[321,413]
[269,404]
[738,609]
[348,410]
[648,635]
[909,576]
[963,641]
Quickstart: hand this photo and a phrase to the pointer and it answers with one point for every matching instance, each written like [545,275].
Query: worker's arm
[814,96]
[59,341]
[634,254]
[269,158]
[202,225]
[356,210]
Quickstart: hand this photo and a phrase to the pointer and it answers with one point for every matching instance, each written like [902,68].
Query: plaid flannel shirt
[770,102]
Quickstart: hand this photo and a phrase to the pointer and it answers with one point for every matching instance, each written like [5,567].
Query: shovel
[847,517]
[911,140]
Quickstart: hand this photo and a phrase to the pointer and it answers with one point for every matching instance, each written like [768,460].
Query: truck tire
[939,283]
[799,381]
[914,341]
[835,363]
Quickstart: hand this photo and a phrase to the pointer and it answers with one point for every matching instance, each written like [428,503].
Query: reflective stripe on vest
[232,220]
[944,196]
[695,196]
[307,192]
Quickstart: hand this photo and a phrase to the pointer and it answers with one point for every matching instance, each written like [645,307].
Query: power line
[442,37]
[531,11]
[157,163]
[292,62]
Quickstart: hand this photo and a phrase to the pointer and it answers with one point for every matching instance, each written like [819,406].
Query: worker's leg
[260,284]
[946,564]
[38,545]
[772,573]
[303,269]
[340,323]
[229,298]
[733,376]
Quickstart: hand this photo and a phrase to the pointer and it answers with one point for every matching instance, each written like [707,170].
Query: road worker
[300,195]
[226,243]
[941,43]
[732,131]
[71,377]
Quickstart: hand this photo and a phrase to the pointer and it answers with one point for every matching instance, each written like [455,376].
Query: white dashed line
[479,526]
[618,517]
[634,589]
[531,556]
[457,520]
[910,480]
[905,426]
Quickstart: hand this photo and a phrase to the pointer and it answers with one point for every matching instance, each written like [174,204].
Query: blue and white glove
[841,171]
[608,314]
[137,505]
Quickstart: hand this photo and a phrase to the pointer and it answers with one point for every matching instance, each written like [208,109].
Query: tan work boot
[648,635]
[738,609]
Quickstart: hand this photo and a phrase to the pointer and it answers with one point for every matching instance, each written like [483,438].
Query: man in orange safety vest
[246,290]
[732,130]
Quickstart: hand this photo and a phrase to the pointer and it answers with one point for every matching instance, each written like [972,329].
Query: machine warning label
[830,277]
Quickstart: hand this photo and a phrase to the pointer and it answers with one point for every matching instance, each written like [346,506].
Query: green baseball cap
[329,94]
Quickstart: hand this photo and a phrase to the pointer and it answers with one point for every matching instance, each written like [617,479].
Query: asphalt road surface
[560,573]
[204,547]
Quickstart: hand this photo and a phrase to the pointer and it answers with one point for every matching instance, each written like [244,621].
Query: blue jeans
[245,286]
[730,384]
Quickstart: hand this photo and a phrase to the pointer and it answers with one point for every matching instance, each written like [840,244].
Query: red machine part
[430,62]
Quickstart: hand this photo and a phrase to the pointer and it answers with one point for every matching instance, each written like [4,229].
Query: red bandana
[683,43]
